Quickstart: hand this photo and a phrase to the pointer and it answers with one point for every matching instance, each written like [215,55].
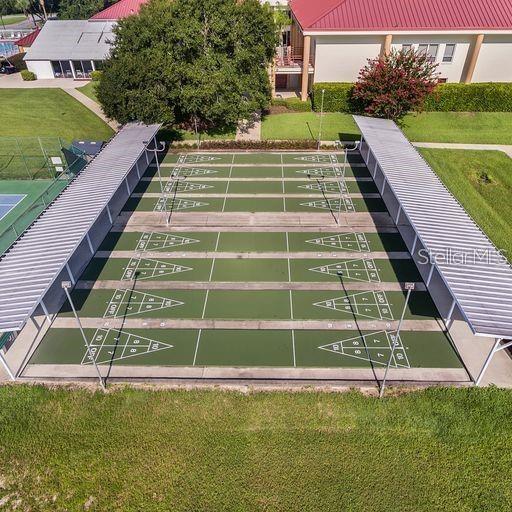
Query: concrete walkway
[478,147]
[92,106]
[15,82]
[250,129]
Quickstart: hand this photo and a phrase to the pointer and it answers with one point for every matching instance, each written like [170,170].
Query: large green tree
[81,9]
[191,62]
[37,9]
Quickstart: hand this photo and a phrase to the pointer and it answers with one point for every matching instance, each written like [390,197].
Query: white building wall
[42,68]
[494,63]
[340,58]
[452,71]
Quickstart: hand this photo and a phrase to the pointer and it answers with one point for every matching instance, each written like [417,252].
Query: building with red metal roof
[27,41]
[119,10]
[470,40]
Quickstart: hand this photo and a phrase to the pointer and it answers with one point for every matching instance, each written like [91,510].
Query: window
[79,70]
[449,51]
[406,47]
[429,50]
[66,68]
[57,70]
[87,67]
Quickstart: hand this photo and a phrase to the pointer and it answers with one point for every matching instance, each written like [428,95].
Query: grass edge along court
[158,450]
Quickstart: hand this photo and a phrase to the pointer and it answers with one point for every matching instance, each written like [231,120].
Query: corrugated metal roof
[481,286]
[72,40]
[29,39]
[398,15]
[33,263]
[119,10]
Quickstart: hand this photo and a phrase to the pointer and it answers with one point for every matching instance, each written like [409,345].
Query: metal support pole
[375,167]
[6,366]
[450,313]
[430,274]
[137,169]
[398,215]
[45,311]
[488,360]
[147,157]
[414,245]
[66,285]
[383,187]
[91,248]
[344,173]
[70,273]
[321,120]
[109,215]
[409,287]
[127,186]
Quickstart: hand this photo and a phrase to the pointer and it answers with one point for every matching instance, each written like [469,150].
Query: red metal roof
[119,10]
[394,15]
[28,40]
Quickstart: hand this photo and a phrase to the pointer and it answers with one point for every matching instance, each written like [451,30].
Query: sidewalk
[92,106]
[477,147]
[15,81]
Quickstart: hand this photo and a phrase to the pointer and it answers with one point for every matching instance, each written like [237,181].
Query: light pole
[66,285]
[409,287]
[321,120]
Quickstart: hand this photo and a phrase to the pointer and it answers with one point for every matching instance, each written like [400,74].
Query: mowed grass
[306,125]
[12,19]
[131,450]
[482,182]
[459,127]
[48,113]
[89,90]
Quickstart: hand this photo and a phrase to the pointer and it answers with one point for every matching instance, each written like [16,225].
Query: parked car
[6,67]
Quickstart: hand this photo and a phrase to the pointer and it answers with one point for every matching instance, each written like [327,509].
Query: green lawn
[131,450]
[48,113]
[482,182]
[306,125]
[476,128]
[89,90]
[462,127]
[11,19]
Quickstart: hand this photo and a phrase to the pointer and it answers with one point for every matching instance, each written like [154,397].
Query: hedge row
[294,104]
[267,145]
[453,97]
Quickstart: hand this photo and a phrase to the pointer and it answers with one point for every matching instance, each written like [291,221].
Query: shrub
[28,76]
[96,75]
[337,97]
[393,85]
[482,97]
[294,104]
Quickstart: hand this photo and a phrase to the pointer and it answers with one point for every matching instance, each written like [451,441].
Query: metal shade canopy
[31,266]
[476,274]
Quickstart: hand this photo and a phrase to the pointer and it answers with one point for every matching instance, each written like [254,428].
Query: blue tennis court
[9,202]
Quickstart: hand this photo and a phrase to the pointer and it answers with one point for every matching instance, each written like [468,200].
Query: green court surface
[257,270]
[252,241]
[206,187]
[126,302]
[253,204]
[28,208]
[267,348]
[135,288]
[319,171]
[259,158]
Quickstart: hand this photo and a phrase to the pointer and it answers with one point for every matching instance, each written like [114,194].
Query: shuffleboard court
[256,242]
[271,348]
[124,302]
[306,295]
[368,270]
[253,204]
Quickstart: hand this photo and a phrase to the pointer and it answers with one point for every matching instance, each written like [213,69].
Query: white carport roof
[34,262]
[478,277]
